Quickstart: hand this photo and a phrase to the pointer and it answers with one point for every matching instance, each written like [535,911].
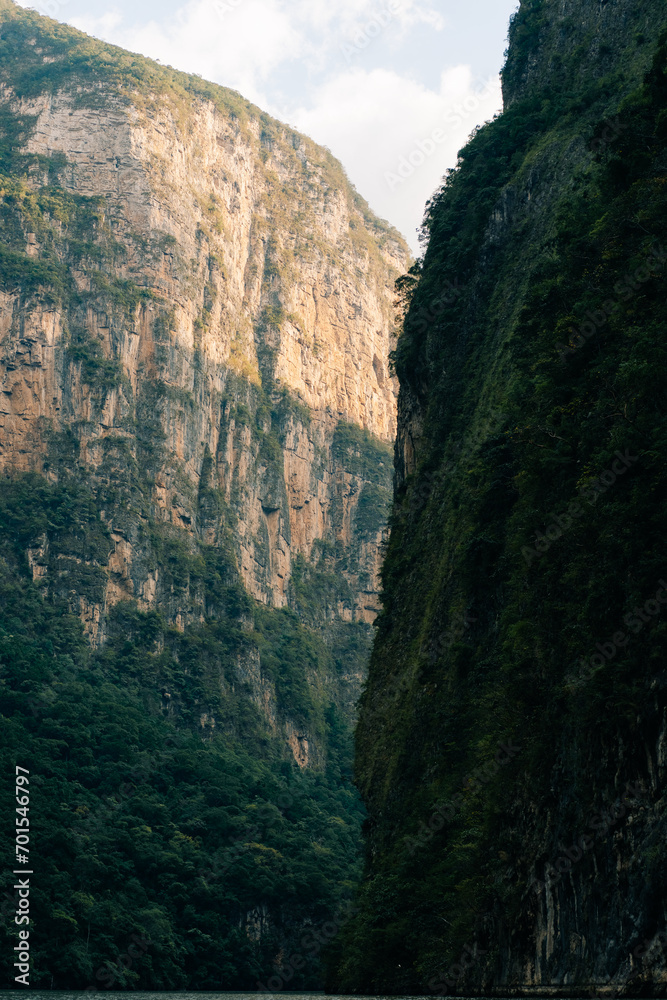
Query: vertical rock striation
[196,425]
[194,292]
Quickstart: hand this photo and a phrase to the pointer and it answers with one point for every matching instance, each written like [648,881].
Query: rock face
[197,304]
[196,426]
[511,740]
[564,42]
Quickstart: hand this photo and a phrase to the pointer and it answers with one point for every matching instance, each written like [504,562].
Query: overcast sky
[392,87]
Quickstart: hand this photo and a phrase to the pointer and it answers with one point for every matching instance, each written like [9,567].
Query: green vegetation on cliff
[152,825]
[192,807]
[528,529]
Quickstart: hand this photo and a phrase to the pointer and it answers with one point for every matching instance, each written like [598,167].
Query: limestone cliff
[196,424]
[194,292]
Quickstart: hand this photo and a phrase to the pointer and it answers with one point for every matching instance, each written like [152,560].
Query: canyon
[208,345]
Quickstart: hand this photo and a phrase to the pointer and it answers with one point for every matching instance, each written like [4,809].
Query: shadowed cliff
[511,747]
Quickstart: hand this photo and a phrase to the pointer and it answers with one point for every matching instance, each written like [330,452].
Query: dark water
[211,995]
[96,995]
[609,994]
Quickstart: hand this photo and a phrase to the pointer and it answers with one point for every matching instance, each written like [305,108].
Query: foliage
[361,453]
[147,820]
[96,369]
[554,223]
[157,779]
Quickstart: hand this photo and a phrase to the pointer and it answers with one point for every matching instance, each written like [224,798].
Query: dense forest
[147,835]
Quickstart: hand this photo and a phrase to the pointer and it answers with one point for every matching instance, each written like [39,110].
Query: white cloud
[292,58]
[101,27]
[349,28]
[238,45]
[346,16]
[395,137]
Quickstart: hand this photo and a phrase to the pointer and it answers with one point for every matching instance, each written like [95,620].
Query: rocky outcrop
[199,311]
[556,43]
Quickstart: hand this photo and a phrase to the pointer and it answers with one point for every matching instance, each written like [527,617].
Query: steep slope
[196,316]
[512,737]
[196,417]
[172,255]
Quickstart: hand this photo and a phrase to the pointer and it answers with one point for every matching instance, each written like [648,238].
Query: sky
[392,87]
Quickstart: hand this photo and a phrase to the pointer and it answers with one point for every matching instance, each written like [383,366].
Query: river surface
[212,994]
[185,995]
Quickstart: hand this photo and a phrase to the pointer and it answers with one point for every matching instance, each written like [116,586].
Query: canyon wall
[222,319]
[511,742]
[197,418]
[196,316]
